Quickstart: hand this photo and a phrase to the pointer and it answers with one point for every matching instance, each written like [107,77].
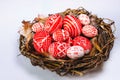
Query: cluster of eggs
[63,37]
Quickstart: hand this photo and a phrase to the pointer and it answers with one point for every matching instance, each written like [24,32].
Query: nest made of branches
[102,45]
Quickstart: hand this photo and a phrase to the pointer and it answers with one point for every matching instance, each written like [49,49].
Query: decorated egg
[75,52]
[69,41]
[37,27]
[60,35]
[58,49]
[53,23]
[84,19]
[41,41]
[72,25]
[83,42]
[89,31]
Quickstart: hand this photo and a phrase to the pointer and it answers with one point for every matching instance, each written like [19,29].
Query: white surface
[12,12]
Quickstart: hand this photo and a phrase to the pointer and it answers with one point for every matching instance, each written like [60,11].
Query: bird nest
[102,45]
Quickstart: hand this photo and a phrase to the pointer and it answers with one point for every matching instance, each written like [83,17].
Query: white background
[12,12]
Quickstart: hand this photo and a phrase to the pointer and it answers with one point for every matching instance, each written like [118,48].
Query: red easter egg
[89,31]
[53,23]
[69,41]
[37,27]
[60,35]
[41,41]
[58,49]
[83,42]
[75,52]
[84,19]
[72,25]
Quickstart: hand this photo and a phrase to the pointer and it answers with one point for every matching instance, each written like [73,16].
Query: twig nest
[41,41]
[53,23]
[58,49]
[72,25]
[83,42]
[89,31]
[84,19]
[37,27]
[75,52]
[60,35]
[72,42]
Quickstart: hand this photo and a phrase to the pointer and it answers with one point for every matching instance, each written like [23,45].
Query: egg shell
[75,52]
[72,25]
[84,19]
[53,23]
[83,42]
[41,41]
[36,27]
[58,49]
[69,41]
[60,35]
[89,31]
[69,27]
